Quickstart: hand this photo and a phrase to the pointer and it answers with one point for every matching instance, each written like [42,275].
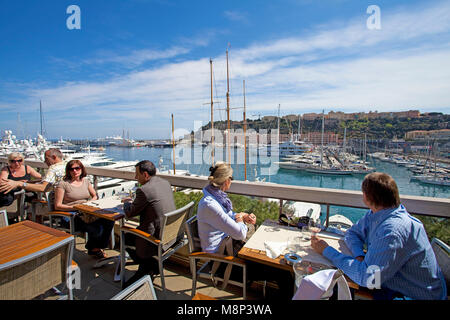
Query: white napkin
[314,285]
[274,249]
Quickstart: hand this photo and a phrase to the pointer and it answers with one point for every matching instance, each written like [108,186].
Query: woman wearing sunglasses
[16,170]
[74,189]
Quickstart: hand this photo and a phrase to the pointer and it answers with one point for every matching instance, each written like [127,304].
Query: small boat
[436,180]
[332,171]
[340,222]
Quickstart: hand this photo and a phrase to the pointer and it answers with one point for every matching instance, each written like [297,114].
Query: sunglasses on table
[75,168]
[16,161]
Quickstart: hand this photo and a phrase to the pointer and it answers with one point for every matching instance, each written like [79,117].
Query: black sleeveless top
[27,176]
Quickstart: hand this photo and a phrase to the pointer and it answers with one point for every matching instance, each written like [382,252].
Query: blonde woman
[16,170]
[215,215]
[217,220]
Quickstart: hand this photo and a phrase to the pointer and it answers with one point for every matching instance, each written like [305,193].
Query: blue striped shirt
[398,245]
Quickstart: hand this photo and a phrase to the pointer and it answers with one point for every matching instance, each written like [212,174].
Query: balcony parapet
[426,206]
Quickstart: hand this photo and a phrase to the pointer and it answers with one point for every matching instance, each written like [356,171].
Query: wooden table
[110,208]
[200,296]
[248,252]
[33,259]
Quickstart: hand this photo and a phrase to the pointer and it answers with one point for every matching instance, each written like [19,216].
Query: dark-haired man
[153,199]
[399,255]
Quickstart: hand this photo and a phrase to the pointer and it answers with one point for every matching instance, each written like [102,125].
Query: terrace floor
[98,283]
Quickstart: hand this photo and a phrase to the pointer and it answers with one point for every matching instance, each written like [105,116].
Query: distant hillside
[375,128]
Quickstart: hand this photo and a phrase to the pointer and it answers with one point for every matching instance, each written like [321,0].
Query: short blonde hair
[220,173]
[14,155]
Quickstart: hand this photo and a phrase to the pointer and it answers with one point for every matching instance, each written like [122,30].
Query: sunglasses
[231,178]
[16,161]
[75,168]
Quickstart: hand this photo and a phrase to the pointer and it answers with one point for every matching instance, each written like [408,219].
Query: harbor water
[199,161]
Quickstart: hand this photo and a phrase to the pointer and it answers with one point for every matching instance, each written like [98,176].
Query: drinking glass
[122,195]
[293,244]
[314,227]
[300,272]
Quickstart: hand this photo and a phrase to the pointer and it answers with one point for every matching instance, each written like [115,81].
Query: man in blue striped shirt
[399,259]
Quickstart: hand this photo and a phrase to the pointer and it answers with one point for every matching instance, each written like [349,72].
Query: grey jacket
[153,199]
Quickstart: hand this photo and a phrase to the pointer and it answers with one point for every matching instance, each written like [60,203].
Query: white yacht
[290,148]
[340,222]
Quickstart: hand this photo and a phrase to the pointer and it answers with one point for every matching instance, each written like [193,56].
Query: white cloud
[236,16]
[138,57]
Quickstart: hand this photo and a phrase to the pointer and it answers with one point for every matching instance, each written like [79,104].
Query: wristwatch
[24,185]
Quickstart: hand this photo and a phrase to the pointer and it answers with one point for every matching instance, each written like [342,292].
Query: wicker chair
[171,238]
[32,275]
[196,255]
[3,218]
[52,214]
[140,290]
[442,252]
[17,208]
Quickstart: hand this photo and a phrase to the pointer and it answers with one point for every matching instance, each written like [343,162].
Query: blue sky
[133,63]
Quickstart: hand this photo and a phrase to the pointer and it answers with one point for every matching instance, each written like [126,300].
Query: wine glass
[293,244]
[314,227]
[121,195]
[300,272]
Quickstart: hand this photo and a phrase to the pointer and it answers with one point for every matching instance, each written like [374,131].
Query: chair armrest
[60,213]
[217,257]
[141,234]
[38,201]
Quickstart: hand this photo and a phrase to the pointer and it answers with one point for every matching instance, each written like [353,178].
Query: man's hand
[127,200]
[8,185]
[318,244]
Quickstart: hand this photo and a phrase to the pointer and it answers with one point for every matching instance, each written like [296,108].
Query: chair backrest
[140,290]
[172,225]
[50,198]
[17,207]
[3,218]
[192,234]
[442,252]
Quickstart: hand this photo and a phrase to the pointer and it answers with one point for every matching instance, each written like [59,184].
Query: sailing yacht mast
[245,140]
[279,133]
[40,113]
[321,147]
[228,113]
[212,115]
[173,144]
[365,147]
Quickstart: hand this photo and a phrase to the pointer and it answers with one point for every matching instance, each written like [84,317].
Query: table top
[200,296]
[110,208]
[254,248]
[26,238]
